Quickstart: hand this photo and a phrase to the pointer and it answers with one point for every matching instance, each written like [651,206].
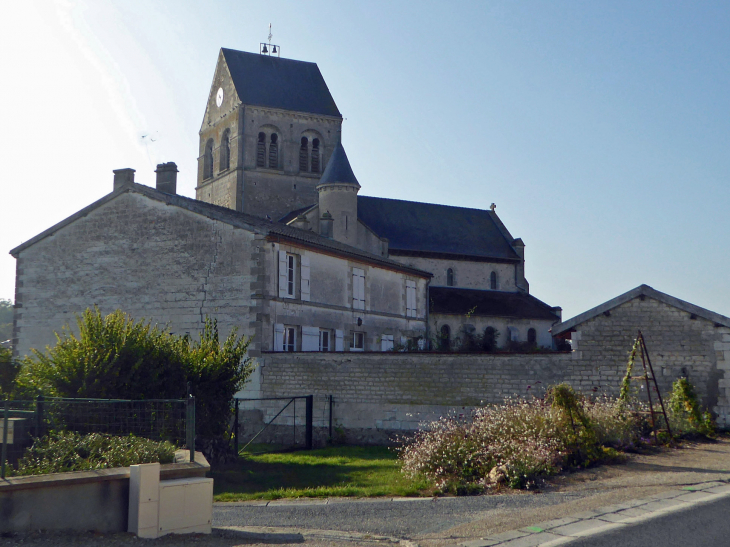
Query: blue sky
[600,129]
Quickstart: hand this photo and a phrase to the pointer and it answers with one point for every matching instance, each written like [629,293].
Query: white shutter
[358,289]
[278,337]
[410,299]
[282,275]
[339,340]
[386,342]
[310,339]
[305,279]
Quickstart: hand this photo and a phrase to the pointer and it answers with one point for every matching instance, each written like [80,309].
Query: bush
[520,440]
[8,372]
[114,357]
[65,451]
[685,415]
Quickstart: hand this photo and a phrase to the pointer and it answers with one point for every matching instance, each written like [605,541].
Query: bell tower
[269,129]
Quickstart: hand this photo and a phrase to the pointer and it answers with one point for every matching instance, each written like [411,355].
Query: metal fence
[269,424]
[157,419]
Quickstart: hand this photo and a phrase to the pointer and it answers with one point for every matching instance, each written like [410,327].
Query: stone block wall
[679,344]
[153,261]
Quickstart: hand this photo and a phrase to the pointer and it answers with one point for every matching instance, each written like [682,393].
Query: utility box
[179,506]
[186,506]
[16,430]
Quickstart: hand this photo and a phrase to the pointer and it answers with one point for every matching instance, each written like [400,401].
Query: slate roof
[453,300]
[287,84]
[234,218]
[338,168]
[566,327]
[440,229]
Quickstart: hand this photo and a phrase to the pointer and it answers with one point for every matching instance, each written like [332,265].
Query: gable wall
[677,345]
[151,260]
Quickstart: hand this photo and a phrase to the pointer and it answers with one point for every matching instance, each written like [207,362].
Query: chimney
[167,177]
[122,177]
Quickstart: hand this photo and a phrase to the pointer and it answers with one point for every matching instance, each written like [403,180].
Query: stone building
[270,128]
[683,340]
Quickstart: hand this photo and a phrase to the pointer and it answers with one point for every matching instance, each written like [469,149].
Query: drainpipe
[428,306]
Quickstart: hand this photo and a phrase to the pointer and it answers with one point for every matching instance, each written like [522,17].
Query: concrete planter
[80,500]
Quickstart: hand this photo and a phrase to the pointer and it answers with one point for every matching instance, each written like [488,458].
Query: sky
[600,129]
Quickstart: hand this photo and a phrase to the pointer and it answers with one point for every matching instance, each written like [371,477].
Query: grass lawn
[326,472]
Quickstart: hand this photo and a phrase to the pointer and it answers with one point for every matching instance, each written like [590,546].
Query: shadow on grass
[337,471]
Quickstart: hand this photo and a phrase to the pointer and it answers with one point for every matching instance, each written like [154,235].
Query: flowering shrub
[517,442]
[685,415]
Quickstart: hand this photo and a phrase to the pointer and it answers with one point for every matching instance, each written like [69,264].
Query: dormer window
[303,153]
[450,277]
[315,156]
[274,151]
[261,150]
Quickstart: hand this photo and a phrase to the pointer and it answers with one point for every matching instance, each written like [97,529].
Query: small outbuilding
[683,340]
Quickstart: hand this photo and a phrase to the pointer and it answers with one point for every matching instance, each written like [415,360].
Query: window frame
[325,333]
[357,334]
[290,339]
[291,275]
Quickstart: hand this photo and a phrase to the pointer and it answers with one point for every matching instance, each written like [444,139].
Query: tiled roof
[518,305]
[411,226]
[234,218]
[286,84]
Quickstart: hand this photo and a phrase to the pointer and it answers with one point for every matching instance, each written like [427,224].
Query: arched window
[315,156]
[489,340]
[274,152]
[208,160]
[445,338]
[532,336]
[261,150]
[493,281]
[450,277]
[303,153]
[226,150]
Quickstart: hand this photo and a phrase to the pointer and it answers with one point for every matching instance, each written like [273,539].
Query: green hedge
[66,451]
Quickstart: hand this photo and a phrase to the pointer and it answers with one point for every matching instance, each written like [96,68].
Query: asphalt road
[701,525]
[402,519]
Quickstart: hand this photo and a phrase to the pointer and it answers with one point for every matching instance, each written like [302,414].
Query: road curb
[275,535]
[566,530]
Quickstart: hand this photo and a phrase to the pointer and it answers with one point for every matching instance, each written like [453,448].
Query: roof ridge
[427,203]
[287,59]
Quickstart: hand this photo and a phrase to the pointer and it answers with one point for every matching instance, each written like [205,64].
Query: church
[278,242]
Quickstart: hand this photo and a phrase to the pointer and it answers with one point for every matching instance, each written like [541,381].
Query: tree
[6,320]
[114,357]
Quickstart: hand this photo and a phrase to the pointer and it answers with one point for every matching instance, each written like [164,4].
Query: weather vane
[269,49]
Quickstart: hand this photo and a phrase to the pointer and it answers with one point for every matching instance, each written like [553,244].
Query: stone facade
[243,185]
[680,343]
[161,263]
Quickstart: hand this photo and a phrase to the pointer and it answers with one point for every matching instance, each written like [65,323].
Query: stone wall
[679,344]
[151,260]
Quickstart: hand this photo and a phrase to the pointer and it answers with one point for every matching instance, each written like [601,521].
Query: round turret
[338,190]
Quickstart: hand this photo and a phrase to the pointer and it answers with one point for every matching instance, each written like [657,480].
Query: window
[450,277]
[226,150]
[290,338]
[208,160]
[303,153]
[287,275]
[290,275]
[410,299]
[325,340]
[261,151]
[493,281]
[386,342]
[358,289]
[445,338]
[315,156]
[358,341]
[532,336]
[274,151]
[489,340]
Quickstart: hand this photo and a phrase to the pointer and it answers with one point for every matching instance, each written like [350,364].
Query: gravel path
[402,518]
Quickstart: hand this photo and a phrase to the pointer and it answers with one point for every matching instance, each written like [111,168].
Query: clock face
[219,97]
